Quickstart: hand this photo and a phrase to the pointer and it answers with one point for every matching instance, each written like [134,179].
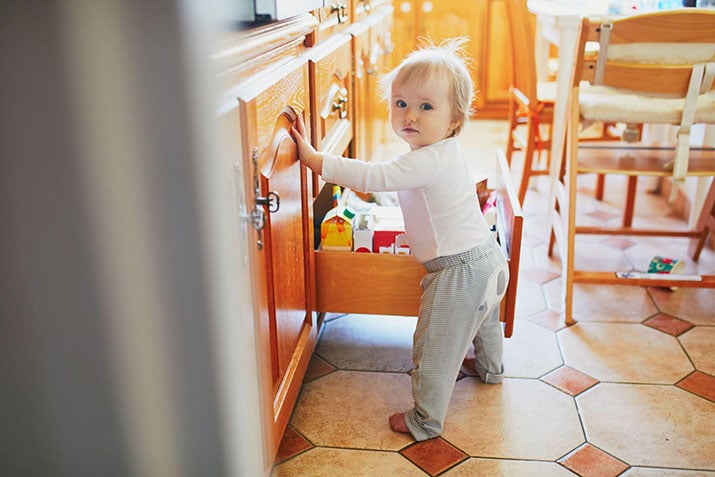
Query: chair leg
[705,224]
[600,186]
[528,159]
[630,201]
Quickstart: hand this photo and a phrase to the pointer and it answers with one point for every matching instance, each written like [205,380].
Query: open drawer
[390,284]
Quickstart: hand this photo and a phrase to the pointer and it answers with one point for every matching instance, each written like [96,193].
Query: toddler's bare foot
[469,367]
[397,423]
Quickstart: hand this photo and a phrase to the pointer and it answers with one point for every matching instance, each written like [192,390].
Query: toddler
[430,95]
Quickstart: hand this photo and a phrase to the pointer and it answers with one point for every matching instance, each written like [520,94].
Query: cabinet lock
[272,202]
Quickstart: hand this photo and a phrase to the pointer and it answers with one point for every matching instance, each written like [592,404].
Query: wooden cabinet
[267,81]
[483,22]
[372,52]
[281,256]
[273,73]
[334,17]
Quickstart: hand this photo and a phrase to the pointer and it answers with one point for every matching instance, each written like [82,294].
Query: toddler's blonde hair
[431,60]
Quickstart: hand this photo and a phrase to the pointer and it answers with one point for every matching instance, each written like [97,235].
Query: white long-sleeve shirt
[436,192]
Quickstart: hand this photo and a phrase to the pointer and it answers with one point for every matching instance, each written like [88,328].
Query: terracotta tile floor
[628,390]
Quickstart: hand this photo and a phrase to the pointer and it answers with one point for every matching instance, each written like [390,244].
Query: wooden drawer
[390,284]
[331,99]
[331,94]
[334,17]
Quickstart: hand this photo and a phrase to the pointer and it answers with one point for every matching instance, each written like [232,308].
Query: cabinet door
[497,75]
[483,22]
[442,20]
[280,255]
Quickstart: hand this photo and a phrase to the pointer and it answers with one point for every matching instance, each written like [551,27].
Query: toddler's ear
[455,124]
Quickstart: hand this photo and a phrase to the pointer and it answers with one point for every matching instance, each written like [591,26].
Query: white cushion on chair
[673,53]
[602,103]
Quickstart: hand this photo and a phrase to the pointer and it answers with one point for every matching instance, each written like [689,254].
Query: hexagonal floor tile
[647,472]
[531,340]
[616,352]
[695,305]
[518,419]
[699,343]
[530,300]
[369,342]
[351,409]
[321,462]
[612,303]
[648,425]
[474,466]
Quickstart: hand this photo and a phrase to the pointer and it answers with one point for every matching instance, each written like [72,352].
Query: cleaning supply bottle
[336,230]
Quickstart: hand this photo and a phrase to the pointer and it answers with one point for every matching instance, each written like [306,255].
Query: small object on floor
[666,265]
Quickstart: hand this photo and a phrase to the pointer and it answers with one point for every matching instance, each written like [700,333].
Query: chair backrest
[650,68]
[651,53]
[521,34]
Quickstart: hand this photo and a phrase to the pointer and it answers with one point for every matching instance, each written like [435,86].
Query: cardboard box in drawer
[363,230]
[336,230]
[389,225]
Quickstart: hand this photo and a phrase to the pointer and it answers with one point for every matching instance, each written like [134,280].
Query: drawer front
[369,283]
[331,80]
[335,17]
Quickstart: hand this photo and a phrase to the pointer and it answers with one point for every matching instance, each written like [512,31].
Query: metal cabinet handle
[341,10]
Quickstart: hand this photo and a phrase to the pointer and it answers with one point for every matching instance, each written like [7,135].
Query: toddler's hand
[306,152]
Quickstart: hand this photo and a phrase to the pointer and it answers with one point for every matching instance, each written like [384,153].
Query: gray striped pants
[459,307]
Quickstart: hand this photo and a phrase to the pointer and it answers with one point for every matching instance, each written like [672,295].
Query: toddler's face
[421,112]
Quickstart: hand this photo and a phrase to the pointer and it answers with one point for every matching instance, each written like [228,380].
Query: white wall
[125,326]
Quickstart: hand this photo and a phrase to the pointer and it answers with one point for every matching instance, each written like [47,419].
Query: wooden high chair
[651,68]
[531,103]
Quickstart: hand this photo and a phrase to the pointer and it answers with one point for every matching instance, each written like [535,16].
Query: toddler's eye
[400,103]
[426,106]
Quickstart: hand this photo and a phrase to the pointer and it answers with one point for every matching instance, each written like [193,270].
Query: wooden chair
[531,103]
[645,68]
